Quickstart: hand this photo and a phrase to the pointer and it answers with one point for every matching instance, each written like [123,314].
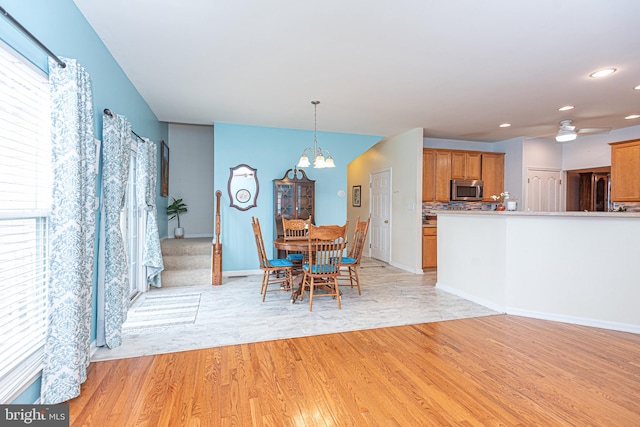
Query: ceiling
[455,68]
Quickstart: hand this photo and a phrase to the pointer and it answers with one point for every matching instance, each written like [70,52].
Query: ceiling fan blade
[593,130]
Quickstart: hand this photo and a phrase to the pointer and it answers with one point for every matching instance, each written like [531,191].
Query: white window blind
[25,199]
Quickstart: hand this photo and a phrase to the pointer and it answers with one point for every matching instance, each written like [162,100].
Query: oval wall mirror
[243,187]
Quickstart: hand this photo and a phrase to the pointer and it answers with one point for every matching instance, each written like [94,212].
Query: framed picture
[164,170]
[355,196]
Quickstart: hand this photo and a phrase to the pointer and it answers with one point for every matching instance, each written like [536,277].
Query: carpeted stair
[187,262]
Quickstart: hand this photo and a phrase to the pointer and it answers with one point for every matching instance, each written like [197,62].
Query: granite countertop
[556,214]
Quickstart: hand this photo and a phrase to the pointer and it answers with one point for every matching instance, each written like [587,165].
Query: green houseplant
[174,210]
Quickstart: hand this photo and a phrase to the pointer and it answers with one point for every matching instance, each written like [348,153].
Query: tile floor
[234,313]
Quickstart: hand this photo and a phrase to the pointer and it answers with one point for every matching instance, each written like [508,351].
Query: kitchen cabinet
[492,174]
[466,165]
[429,247]
[625,171]
[436,174]
[440,166]
[428,175]
[443,175]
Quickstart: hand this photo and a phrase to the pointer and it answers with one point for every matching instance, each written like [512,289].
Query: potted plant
[176,208]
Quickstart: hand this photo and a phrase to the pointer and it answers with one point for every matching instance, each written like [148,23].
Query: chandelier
[316,153]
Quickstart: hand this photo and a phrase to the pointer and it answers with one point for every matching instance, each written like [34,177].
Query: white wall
[594,150]
[577,268]
[191,177]
[403,154]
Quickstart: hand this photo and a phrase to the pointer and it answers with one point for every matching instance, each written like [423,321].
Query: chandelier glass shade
[316,153]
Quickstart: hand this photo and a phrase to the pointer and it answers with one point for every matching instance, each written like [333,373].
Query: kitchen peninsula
[575,267]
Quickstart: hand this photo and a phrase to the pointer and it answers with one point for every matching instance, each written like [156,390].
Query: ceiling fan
[568,132]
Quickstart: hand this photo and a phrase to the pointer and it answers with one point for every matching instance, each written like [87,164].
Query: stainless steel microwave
[467,189]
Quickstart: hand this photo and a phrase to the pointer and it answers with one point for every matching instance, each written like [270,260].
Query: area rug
[154,312]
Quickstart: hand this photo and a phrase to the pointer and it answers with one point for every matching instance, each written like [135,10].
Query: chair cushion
[324,268]
[348,260]
[279,262]
[294,257]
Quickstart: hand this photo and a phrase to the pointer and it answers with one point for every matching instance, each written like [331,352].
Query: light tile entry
[233,313]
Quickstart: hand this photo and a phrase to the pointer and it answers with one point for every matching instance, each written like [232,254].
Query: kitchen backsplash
[428,207]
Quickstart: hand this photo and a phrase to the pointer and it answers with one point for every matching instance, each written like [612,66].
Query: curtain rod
[32,37]
[110,114]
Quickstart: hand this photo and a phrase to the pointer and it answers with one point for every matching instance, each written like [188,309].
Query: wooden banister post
[216,262]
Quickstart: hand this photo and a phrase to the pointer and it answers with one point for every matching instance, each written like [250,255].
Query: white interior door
[544,190]
[380,210]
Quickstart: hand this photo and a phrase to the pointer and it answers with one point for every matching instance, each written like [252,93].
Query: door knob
[386,221]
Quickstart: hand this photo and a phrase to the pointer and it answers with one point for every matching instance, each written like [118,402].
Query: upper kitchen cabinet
[466,165]
[436,174]
[428,175]
[625,171]
[492,174]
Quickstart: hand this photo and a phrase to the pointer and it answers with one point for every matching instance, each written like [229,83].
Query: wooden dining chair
[272,268]
[295,229]
[351,262]
[326,247]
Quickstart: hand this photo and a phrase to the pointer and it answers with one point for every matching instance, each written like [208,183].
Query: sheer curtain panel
[147,179]
[72,233]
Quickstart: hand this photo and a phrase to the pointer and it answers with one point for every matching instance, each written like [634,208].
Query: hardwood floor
[495,370]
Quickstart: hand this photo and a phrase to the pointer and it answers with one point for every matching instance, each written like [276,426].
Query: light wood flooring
[495,370]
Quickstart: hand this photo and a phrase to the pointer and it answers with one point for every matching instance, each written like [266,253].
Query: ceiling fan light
[566,135]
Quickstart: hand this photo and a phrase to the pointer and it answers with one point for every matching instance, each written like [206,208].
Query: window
[25,194]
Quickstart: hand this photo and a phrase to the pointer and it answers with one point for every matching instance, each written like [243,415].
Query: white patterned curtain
[146,193]
[113,291]
[72,233]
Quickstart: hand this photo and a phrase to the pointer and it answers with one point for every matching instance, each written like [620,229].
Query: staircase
[187,262]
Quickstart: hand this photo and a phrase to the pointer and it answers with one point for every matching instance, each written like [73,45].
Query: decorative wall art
[356,196]
[243,187]
[164,170]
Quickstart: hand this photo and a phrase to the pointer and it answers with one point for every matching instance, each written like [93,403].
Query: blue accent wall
[61,27]
[272,151]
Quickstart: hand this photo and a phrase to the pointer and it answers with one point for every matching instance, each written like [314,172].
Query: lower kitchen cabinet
[429,247]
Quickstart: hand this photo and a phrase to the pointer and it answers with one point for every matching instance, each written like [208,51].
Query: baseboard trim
[405,268]
[472,298]
[555,317]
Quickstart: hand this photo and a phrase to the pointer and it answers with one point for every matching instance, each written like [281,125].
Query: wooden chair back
[257,233]
[326,247]
[295,229]
[359,240]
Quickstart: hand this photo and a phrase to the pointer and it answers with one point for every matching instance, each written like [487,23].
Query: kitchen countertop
[553,214]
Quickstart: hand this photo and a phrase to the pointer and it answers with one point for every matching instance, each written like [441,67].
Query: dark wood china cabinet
[294,197]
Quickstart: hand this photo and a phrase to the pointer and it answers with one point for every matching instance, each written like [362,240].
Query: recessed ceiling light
[633,116]
[566,108]
[602,73]
[505,125]
[637,87]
